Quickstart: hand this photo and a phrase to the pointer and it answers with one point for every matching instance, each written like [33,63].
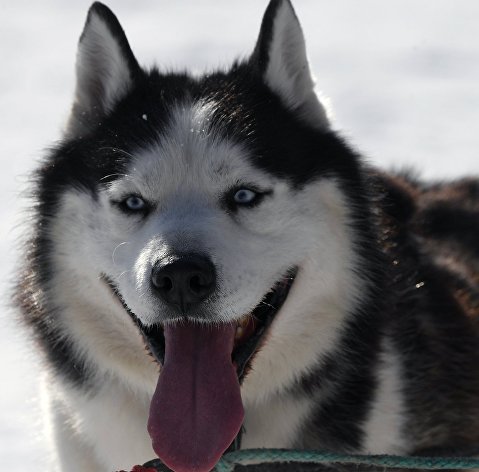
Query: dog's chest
[275,423]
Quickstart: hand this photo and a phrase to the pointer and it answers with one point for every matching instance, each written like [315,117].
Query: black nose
[184,282]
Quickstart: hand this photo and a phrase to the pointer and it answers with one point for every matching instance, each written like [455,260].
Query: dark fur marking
[41,320]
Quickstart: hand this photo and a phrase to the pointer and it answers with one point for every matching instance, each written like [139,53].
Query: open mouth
[196,411]
[250,328]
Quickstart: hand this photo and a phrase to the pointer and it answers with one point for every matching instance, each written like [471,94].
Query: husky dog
[212,266]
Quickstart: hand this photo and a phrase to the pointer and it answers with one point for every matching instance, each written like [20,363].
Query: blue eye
[134,203]
[244,196]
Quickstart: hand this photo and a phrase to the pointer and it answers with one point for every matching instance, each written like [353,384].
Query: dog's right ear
[105,70]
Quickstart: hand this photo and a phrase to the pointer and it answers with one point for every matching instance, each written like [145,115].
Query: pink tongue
[196,410]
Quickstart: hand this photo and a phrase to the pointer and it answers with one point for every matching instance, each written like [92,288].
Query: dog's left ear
[105,70]
[280,55]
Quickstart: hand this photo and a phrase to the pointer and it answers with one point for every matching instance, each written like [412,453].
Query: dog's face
[219,200]
[194,206]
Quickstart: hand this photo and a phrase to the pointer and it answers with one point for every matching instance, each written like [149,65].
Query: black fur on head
[285,129]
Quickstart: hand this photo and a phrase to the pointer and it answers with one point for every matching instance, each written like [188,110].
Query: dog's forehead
[192,151]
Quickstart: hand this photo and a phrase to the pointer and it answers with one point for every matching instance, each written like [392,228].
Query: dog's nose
[184,282]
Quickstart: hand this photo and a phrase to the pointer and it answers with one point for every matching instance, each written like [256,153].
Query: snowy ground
[402,75]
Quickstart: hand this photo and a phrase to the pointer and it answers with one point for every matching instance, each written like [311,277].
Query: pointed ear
[280,55]
[105,69]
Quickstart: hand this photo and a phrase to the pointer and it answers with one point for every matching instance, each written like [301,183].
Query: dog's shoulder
[428,233]
[434,229]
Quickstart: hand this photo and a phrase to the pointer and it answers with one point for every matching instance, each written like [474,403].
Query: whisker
[122,274]
[115,149]
[114,175]
[114,251]
[268,305]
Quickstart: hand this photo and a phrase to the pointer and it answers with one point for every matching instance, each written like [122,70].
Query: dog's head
[216,209]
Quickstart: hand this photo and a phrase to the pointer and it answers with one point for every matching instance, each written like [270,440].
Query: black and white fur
[376,347]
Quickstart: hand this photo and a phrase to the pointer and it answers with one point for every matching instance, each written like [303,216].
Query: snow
[402,76]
